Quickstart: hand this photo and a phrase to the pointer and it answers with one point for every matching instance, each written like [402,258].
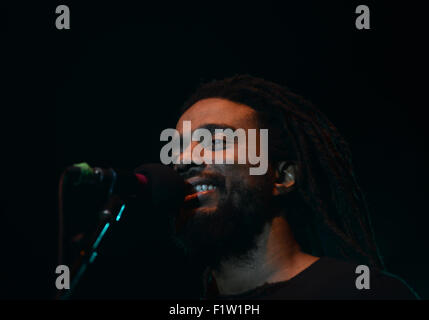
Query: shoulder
[353,281]
[390,287]
[334,279]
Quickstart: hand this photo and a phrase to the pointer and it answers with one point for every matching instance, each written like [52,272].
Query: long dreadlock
[337,220]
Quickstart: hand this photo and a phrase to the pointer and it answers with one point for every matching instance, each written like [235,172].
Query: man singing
[300,230]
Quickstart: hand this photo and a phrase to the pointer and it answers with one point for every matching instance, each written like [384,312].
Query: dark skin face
[225,219]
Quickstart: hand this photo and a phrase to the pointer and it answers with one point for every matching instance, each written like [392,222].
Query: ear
[286,173]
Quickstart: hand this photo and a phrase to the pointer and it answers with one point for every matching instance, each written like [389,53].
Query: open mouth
[201,189]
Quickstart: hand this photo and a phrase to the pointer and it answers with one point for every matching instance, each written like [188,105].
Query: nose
[189,170]
[187,166]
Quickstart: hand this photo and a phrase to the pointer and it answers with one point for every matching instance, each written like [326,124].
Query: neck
[277,257]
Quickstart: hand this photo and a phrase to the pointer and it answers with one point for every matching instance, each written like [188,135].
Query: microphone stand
[108,217]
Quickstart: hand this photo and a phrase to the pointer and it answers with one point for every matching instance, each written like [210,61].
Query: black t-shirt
[329,278]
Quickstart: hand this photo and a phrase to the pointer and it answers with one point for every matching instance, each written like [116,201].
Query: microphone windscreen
[166,186]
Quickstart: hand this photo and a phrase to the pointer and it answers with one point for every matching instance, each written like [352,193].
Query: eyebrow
[211,127]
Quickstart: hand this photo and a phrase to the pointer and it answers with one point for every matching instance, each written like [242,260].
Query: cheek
[263,183]
[232,154]
[238,176]
[240,153]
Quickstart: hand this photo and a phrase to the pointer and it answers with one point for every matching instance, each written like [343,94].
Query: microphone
[157,183]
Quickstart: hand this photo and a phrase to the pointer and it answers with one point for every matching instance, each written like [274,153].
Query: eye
[218,144]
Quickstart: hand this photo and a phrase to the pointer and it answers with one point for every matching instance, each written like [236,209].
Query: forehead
[222,111]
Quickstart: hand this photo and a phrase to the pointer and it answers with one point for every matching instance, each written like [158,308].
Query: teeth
[204,187]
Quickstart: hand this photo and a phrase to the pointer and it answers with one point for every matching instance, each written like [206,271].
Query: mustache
[217,178]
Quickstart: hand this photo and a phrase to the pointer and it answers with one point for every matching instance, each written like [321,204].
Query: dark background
[103,91]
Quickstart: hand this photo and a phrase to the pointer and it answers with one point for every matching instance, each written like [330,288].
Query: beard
[232,229]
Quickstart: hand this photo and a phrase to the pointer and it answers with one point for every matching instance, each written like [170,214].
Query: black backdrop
[103,91]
